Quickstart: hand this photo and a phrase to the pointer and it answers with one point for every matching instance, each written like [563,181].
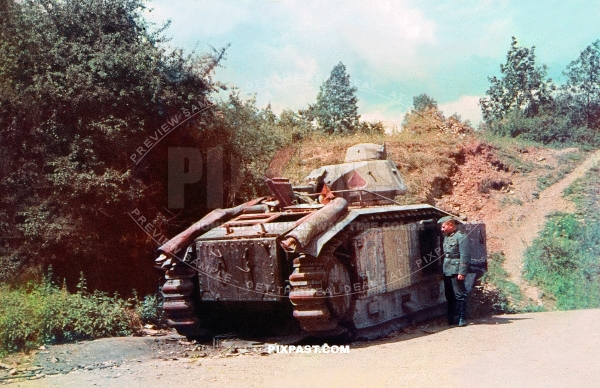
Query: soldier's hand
[461,277]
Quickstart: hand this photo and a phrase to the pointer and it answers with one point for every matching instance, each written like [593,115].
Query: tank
[334,255]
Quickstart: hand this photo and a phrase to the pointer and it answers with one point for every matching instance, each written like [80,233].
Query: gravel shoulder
[553,349]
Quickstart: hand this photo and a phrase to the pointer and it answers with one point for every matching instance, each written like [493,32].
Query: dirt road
[531,219]
[554,349]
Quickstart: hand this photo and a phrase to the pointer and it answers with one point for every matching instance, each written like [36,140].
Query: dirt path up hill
[531,219]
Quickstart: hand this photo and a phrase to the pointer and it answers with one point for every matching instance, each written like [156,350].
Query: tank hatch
[365,151]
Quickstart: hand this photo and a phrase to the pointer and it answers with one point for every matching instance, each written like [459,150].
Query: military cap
[444,219]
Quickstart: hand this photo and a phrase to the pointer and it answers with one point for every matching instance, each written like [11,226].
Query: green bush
[563,261]
[547,128]
[149,310]
[503,296]
[43,313]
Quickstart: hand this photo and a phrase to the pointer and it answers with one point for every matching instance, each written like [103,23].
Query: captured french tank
[335,255]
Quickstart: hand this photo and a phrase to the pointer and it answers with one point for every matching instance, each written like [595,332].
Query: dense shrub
[546,128]
[43,313]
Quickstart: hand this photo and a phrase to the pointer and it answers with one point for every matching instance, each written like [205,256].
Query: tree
[425,117]
[422,102]
[83,84]
[523,88]
[336,110]
[583,87]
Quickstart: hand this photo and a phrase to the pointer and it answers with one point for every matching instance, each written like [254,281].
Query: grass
[44,313]
[506,142]
[499,294]
[566,163]
[564,260]
[509,150]
[510,201]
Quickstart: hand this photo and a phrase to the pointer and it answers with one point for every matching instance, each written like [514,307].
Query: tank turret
[365,177]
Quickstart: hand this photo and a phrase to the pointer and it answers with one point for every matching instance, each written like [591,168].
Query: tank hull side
[399,272]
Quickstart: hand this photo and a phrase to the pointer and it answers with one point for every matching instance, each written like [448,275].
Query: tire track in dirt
[532,219]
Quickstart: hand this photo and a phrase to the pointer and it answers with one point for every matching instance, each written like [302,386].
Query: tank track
[179,292]
[313,282]
[316,310]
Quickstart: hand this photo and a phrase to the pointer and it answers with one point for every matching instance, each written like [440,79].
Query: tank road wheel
[338,289]
[318,292]
[179,291]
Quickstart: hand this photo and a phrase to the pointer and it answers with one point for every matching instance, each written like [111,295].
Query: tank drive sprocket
[179,291]
[319,292]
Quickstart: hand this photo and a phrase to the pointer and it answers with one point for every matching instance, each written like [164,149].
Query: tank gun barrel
[208,222]
[316,223]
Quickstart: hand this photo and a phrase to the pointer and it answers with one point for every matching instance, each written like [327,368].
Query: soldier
[456,267]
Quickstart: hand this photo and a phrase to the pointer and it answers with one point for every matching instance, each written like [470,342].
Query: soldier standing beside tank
[456,267]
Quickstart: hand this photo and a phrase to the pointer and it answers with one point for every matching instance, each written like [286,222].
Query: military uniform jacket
[456,254]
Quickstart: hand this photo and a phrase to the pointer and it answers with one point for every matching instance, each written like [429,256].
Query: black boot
[450,315]
[462,309]
[450,318]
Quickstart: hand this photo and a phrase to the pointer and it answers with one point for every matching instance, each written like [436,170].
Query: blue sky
[282,51]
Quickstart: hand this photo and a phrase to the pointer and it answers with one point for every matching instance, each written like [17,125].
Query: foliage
[336,110]
[83,85]
[522,103]
[426,117]
[507,296]
[295,124]
[43,313]
[423,102]
[522,90]
[566,163]
[149,310]
[371,127]
[252,136]
[547,128]
[563,260]
[583,87]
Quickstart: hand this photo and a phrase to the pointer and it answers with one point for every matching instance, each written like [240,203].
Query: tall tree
[83,85]
[523,88]
[583,87]
[336,109]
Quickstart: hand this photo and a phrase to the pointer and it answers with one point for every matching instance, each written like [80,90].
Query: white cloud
[283,50]
[495,38]
[467,108]
[390,121]
[295,83]
[386,33]
[192,18]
